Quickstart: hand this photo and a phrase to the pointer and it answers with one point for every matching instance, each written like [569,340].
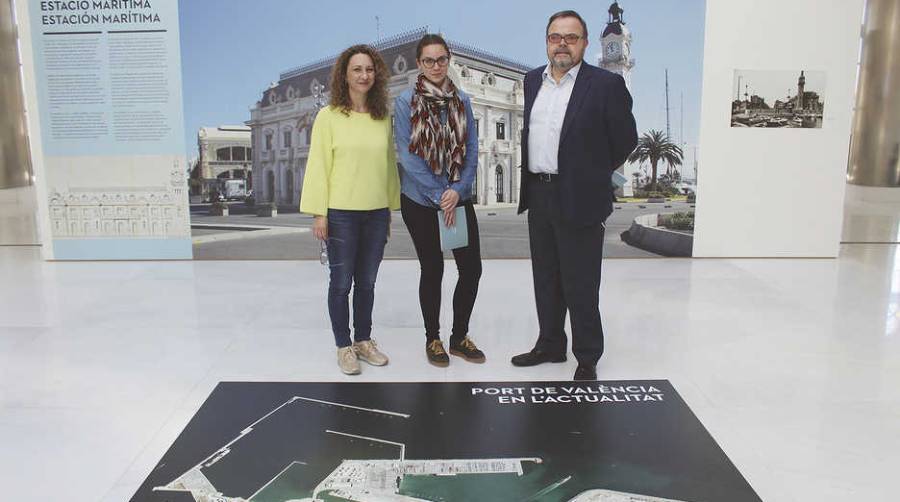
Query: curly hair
[376,98]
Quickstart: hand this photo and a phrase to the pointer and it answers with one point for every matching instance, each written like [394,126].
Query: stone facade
[281,121]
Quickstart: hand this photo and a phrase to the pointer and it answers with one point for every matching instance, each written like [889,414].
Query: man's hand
[320,228]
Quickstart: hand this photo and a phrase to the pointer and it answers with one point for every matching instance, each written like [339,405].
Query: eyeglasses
[323,255]
[570,38]
[429,62]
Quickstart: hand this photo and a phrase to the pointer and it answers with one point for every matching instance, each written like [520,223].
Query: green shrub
[677,221]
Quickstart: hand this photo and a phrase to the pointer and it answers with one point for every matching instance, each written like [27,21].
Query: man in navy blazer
[578,129]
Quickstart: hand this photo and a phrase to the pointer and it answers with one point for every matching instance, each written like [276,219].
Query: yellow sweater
[351,165]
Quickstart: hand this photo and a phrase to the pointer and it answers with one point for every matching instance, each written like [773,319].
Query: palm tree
[654,146]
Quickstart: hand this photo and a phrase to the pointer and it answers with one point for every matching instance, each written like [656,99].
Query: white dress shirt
[546,121]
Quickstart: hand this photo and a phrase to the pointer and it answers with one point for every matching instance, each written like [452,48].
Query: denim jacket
[417,180]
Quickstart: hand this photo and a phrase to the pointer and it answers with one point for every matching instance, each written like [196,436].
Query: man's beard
[563,64]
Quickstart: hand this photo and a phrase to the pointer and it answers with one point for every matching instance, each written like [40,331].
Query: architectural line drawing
[150,212]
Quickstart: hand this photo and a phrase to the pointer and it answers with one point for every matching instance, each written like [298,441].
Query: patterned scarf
[443,146]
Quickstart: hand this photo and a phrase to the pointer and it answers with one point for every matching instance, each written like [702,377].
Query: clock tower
[615,43]
[801,85]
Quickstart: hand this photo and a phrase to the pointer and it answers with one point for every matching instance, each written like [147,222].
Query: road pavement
[504,234]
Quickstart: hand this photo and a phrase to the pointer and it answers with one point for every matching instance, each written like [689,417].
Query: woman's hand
[320,228]
[450,217]
[448,204]
[449,199]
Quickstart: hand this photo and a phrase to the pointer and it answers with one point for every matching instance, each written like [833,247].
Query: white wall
[775,192]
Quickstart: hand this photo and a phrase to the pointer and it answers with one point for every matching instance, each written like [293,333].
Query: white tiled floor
[17,221]
[871,214]
[792,365]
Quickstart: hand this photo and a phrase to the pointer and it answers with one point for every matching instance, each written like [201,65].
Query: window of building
[501,130]
[238,153]
[287,139]
[223,154]
[268,141]
[477,128]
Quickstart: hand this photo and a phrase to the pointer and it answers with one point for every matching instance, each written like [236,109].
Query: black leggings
[422,224]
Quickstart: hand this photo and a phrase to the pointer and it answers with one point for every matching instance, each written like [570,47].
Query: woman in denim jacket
[437,145]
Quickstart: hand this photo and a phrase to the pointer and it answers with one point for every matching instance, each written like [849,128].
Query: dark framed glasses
[430,62]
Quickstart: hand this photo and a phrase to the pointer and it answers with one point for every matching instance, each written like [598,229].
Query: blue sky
[232,49]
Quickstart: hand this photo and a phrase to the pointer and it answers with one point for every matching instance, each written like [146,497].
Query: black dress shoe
[536,357]
[585,372]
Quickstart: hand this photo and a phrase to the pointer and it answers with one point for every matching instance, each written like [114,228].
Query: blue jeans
[356,241]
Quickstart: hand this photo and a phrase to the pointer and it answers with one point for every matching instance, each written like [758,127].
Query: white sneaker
[368,351]
[347,360]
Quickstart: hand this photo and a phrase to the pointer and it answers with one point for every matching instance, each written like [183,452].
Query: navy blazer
[598,134]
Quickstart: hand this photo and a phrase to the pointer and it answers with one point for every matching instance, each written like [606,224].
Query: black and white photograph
[792,99]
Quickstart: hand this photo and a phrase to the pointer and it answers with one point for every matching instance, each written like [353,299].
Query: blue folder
[456,236]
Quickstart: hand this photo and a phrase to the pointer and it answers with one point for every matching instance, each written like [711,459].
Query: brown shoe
[467,350]
[436,353]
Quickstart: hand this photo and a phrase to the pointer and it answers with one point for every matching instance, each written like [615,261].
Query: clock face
[613,49]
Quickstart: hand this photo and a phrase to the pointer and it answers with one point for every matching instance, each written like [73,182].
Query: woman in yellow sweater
[351,186]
